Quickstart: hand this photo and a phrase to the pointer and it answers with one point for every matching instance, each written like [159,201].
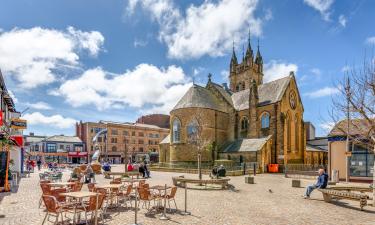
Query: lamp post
[126,156]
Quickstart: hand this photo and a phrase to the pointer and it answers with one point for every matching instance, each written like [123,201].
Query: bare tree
[196,138]
[356,103]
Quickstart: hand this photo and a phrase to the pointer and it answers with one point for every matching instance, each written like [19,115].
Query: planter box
[296,183]
[249,180]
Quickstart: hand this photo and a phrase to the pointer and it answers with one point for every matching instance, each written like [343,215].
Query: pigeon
[270,191]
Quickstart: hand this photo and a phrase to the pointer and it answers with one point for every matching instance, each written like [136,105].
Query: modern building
[57,148]
[316,147]
[250,118]
[159,120]
[356,159]
[137,139]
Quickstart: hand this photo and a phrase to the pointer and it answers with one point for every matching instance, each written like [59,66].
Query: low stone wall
[195,171]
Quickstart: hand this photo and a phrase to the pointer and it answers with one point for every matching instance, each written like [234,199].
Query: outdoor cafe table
[60,184]
[161,188]
[79,195]
[110,186]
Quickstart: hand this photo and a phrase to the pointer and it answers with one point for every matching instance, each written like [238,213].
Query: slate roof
[268,93]
[357,127]
[312,148]
[166,140]
[246,145]
[225,93]
[199,97]
[63,138]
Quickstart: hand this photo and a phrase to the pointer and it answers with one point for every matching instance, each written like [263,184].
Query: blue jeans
[310,189]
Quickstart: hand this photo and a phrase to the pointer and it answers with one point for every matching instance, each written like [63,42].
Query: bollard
[164,216]
[136,208]
[185,212]
[254,170]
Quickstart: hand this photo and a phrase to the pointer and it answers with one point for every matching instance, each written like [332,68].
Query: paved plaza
[271,200]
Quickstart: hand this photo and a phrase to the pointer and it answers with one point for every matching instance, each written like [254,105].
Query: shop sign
[17,123]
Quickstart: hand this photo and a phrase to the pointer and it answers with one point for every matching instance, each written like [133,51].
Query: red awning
[77,154]
[18,140]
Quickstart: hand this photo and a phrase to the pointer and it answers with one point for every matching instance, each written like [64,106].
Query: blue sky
[116,60]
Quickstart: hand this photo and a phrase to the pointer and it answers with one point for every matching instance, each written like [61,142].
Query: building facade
[231,121]
[135,138]
[159,120]
[57,148]
[359,153]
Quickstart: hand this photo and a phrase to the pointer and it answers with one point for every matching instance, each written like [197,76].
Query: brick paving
[271,200]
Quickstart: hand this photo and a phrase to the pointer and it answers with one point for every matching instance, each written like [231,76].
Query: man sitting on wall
[320,184]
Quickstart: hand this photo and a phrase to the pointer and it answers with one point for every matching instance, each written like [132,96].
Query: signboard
[1,118]
[16,123]
[348,154]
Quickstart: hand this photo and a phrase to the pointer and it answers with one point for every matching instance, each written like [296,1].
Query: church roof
[268,93]
[246,145]
[166,140]
[199,97]
[225,93]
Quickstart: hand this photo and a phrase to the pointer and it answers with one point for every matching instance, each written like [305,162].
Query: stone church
[249,121]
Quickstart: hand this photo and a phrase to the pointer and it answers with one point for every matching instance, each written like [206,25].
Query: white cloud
[11,94]
[39,105]
[342,20]
[316,71]
[56,121]
[206,29]
[323,92]
[327,126]
[323,6]
[370,40]
[145,86]
[276,69]
[345,69]
[139,43]
[34,55]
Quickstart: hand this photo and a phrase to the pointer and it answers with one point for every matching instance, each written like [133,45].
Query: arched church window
[114,148]
[265,120]
[176,130]
[192,130]
[244,124]
[238,87]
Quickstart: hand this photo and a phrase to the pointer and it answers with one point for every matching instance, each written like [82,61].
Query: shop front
[77,157]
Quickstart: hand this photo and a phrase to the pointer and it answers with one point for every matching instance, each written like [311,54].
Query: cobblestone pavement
[271,200]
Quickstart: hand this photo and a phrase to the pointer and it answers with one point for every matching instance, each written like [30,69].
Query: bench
[182,181]
[339,194]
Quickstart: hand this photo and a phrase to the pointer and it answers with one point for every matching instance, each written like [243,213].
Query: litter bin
[273,168]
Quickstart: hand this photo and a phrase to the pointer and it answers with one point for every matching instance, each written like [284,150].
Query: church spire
[234,57]
[258,59]
[249,51]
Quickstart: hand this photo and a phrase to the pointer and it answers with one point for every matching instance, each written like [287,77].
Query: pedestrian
[147,172]
[39,163]
[321,183]
[141,170]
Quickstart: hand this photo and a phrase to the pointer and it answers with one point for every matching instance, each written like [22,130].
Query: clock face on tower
[292,100]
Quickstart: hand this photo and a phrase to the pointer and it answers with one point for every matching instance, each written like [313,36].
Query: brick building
[138,139]
[159,120]
[247,122]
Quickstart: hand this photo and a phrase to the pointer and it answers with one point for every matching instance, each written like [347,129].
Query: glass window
[141,134]
[99,139]
[141,142]
[67,148]
[361,162]
[176,130]
[114,132]
[141,149]
[192,129]
[265,120]
[51,148]
[133,133]
[126,133]
[114,148]
[244,123]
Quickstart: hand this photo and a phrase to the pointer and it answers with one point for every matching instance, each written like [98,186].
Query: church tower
[241,75]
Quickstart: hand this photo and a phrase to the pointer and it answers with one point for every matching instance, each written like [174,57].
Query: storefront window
[361,162]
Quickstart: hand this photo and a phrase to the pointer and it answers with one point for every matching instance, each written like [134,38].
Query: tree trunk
[199,166]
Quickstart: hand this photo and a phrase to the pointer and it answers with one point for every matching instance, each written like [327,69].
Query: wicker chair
[126,195]
[46,190]
[145,197]
[53,208]
[171,197]
[91,187]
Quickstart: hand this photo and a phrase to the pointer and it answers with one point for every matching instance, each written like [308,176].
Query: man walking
[320,184]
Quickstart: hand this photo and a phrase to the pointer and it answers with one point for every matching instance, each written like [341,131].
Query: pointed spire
[258,59]
[249,51]
[209,77]
[234,57]
[243,53]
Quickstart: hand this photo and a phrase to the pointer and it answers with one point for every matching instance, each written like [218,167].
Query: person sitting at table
[214,172]
[89,173]
[106,167]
